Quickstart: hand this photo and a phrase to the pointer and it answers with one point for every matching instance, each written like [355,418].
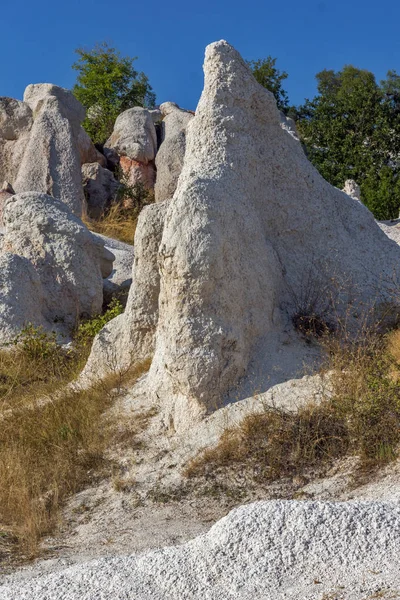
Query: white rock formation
[118,282]
[169,159]
[250,233]
[67,258]
[135,139]
[134,135]
[21,296]
[15,118]
[100,188]
[87,150]
[6,192]
[51,161]
[352,189]
[15,125]
[276,550]
[131,336]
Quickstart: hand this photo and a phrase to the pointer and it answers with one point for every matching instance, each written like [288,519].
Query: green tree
[271,78]
[107,84]
[351,131]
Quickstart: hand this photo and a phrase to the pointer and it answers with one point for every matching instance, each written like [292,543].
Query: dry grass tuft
[118,223]
[52,439]
[359,416]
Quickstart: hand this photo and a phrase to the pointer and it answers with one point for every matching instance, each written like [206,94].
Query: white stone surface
[263,551]
[51,161]
[134,135]
[252,235]
[130,336]
[21,297]
[15,118]
[170,156]
[87,150]
[15,124]
[66,256]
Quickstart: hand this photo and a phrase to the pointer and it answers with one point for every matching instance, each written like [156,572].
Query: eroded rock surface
[51,161]
[252,232]
[169,159]
[100,188]
[21,296]
[15,124]
[131,336]
[65,255]
[134,135]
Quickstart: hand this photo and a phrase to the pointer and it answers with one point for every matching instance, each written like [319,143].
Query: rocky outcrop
[21,297]
[130,337]
[134,138]
[87,150]
[51,161]
[134,135]
[5,193]
[352,189]
[67,258]
[137,173]
[15,123]
[100,188]
[118,282]
[252,231]
[169,159]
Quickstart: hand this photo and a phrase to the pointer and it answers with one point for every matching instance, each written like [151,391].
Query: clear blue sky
[39,38]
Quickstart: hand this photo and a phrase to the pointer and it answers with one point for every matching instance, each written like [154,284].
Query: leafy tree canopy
[107,84]
[351,130]
[271,78]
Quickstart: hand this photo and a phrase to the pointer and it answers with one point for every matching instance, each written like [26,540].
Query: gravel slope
[266,550]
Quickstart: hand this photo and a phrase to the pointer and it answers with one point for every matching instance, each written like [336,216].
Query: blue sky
[39,38]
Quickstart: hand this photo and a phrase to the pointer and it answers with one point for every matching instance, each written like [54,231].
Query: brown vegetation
[118,223]
[52,438]
[359,416]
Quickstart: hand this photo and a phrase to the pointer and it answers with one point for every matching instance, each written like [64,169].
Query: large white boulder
[169,159]
[65,255]
[51,161]
[21,297]
[134,135]
[252,235]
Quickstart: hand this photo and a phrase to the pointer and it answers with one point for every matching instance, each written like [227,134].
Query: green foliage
[107,84]
[89,329]
[41,350]
[351,130]
[271,78]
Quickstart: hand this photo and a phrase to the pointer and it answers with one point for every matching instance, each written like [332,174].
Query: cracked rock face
[51,161]
[170,157]
[252,229]
[65,255]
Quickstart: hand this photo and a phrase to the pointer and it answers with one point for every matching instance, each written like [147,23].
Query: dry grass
[52,440]
[360,416]
[118,223]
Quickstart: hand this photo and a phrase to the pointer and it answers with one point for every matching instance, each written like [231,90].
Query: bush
[108,84]
[89,329]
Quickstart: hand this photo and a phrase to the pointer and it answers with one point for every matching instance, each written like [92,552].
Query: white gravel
[266,550]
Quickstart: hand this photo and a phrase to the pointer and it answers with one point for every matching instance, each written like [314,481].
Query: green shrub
[89,329]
